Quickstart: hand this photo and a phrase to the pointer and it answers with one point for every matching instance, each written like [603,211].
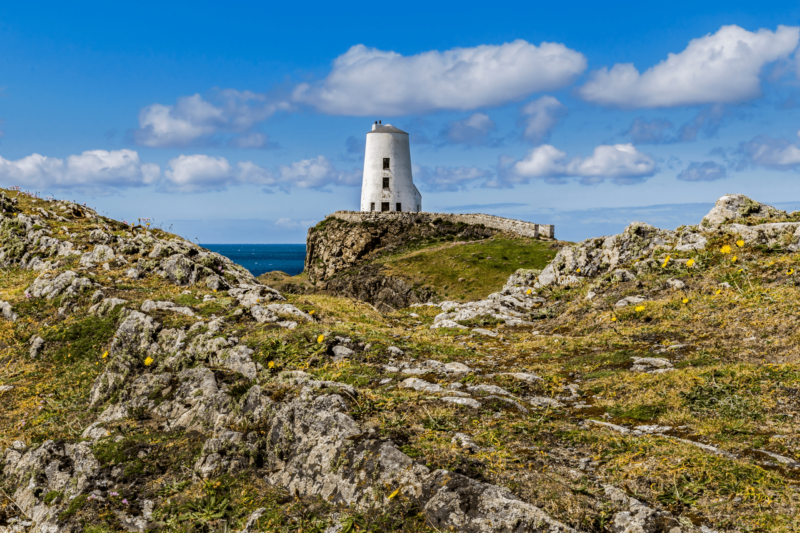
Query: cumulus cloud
[705,171]
[764,151]
[438,179]
[194,120]
[368,81]
[723,67]
[203,173]
[94,171]
[472,131]
[316,173]
[623,164]
[541,116]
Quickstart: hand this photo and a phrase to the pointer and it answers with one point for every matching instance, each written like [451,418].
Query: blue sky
[245,123]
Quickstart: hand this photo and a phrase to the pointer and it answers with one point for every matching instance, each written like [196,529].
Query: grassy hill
[679,410]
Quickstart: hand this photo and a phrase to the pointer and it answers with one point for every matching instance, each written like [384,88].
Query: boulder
[736,206]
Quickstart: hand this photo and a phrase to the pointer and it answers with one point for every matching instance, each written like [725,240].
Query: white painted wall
[388,141]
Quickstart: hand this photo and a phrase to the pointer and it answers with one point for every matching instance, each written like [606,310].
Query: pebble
[486,332]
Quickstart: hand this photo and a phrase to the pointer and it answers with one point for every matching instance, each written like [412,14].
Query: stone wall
[526,229]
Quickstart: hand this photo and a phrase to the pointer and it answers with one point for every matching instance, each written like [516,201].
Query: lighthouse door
[384,206]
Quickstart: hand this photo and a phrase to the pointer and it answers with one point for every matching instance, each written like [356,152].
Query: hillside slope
[646,381]
[394,263]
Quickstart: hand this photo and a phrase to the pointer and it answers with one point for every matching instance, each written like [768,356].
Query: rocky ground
[644,382]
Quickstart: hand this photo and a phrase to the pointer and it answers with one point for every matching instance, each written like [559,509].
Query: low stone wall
[526,229]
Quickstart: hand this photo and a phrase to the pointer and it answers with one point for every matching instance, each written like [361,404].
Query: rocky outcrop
[386,293]
[738,206]
[333,246]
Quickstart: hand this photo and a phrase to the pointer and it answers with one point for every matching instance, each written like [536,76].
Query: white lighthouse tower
[388,185]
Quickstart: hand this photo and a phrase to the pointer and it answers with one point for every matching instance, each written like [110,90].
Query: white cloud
[368,81]
[764,151]
[203,173]
[542,116]
[705,171]
[472,131]
[316,173]
[194,120]
[95,171]
[622,163]
[723,67]
[448,178]
[293,224]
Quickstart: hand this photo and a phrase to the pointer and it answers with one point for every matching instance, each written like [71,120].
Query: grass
[484,266]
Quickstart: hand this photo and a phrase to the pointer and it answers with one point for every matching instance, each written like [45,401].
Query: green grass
[485,266]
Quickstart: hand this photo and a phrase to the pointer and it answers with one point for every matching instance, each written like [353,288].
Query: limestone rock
[37,343]
[596,256]
[419,385]
[630,300]
[8,312]
[735,206]
[50,285]
[106,306]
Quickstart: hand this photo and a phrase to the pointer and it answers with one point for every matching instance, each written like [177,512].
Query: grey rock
[395,351]
[103,308]
[734,206]
[489,389]
[8,312]
[542,401]
[597,256]
[630,300]
[419,385]
[101,254]
[467,402]
[342,352]
[522,376]
[676,284]
[486,332]
[37,343]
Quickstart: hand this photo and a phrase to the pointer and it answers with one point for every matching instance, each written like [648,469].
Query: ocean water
[261,258]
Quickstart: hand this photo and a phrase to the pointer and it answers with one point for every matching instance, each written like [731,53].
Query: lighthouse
[387,183]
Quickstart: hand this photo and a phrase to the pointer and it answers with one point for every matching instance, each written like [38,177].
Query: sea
[261,258]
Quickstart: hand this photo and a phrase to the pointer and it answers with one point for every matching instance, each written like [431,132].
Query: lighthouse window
[385,183]
[384,206]
[385,163]
[372,206]
[399,208]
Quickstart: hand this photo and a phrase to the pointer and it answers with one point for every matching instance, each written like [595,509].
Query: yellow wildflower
[105,354]
[733,259]
[320,339]
[719,291]
[725,249]
[311,312]
[613,319]
[271,364]
[666,261]
[690,263]
[639,308]
[528,291]
[685,300]
[791,271]
[215,290]
[148,361]
[740,243]
[395,493]
[578,271]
